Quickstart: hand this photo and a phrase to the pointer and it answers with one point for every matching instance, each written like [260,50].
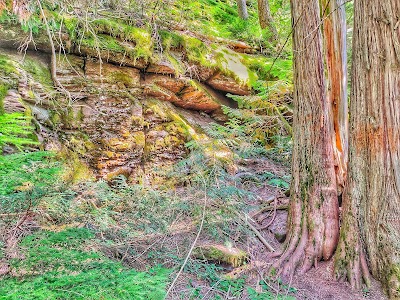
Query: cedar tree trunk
[372,195]
[334,29]
[314,210]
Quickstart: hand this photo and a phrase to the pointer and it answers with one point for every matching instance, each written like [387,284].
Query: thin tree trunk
[334,28]
[265,18]
[372,195]
[242,9]
[314,209]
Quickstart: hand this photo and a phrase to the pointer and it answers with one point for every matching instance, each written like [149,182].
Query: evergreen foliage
[15,129]
[25,178]
[57,265]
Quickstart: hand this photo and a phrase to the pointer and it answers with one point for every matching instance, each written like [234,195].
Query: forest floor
[144,236]
[318,283]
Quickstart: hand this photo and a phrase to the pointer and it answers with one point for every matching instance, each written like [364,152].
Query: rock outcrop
[121,106]
[119,120]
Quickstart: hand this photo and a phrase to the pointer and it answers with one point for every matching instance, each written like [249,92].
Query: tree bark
[314,209]
[334,29]
[265,18]
[372,195]
[242,9]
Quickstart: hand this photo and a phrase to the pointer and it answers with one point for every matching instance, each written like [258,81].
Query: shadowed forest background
[211,149]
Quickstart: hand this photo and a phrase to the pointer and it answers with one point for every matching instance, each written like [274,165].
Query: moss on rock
[221,254]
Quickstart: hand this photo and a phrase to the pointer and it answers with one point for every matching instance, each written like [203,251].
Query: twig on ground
[269,208]
[191,248]
[12,214]
[273,216]
[256,232]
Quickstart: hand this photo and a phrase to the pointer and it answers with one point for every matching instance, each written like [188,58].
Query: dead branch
[256,232]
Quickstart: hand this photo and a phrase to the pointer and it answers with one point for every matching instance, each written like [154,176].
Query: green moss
[39,71]
[103,42]
[75,170]
[7,66]
[394,281]
[122,77]
[139,139]
[218,253]
[171,40]
[197,51]
[176,64]
[110,35]
[3,92]
[123,31]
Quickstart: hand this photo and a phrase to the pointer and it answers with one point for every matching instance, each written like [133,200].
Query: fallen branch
[256,232]
[273,216]
[12,214]
[270,208]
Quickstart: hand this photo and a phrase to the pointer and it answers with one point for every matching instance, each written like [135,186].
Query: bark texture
[314,209]
[372,195]
[334,29]
[265,18]
[242,9]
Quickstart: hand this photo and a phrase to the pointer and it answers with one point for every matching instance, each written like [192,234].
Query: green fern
[15,129]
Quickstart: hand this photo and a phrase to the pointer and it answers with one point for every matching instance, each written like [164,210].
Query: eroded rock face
[125,133]
[224,83]
[189,94]
[117,119]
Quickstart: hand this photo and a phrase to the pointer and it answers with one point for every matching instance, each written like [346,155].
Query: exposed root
[313,234]
[351,263]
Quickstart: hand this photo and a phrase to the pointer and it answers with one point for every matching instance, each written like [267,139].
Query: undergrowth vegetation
[16,130]
[26,170]
[162,28]
[63,265]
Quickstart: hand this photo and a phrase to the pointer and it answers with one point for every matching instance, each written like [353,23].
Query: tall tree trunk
[334,28]
[265,18]
[314,208]
[242,9]
[372,195]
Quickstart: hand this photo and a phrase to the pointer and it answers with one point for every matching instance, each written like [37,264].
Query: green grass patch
[60,265]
